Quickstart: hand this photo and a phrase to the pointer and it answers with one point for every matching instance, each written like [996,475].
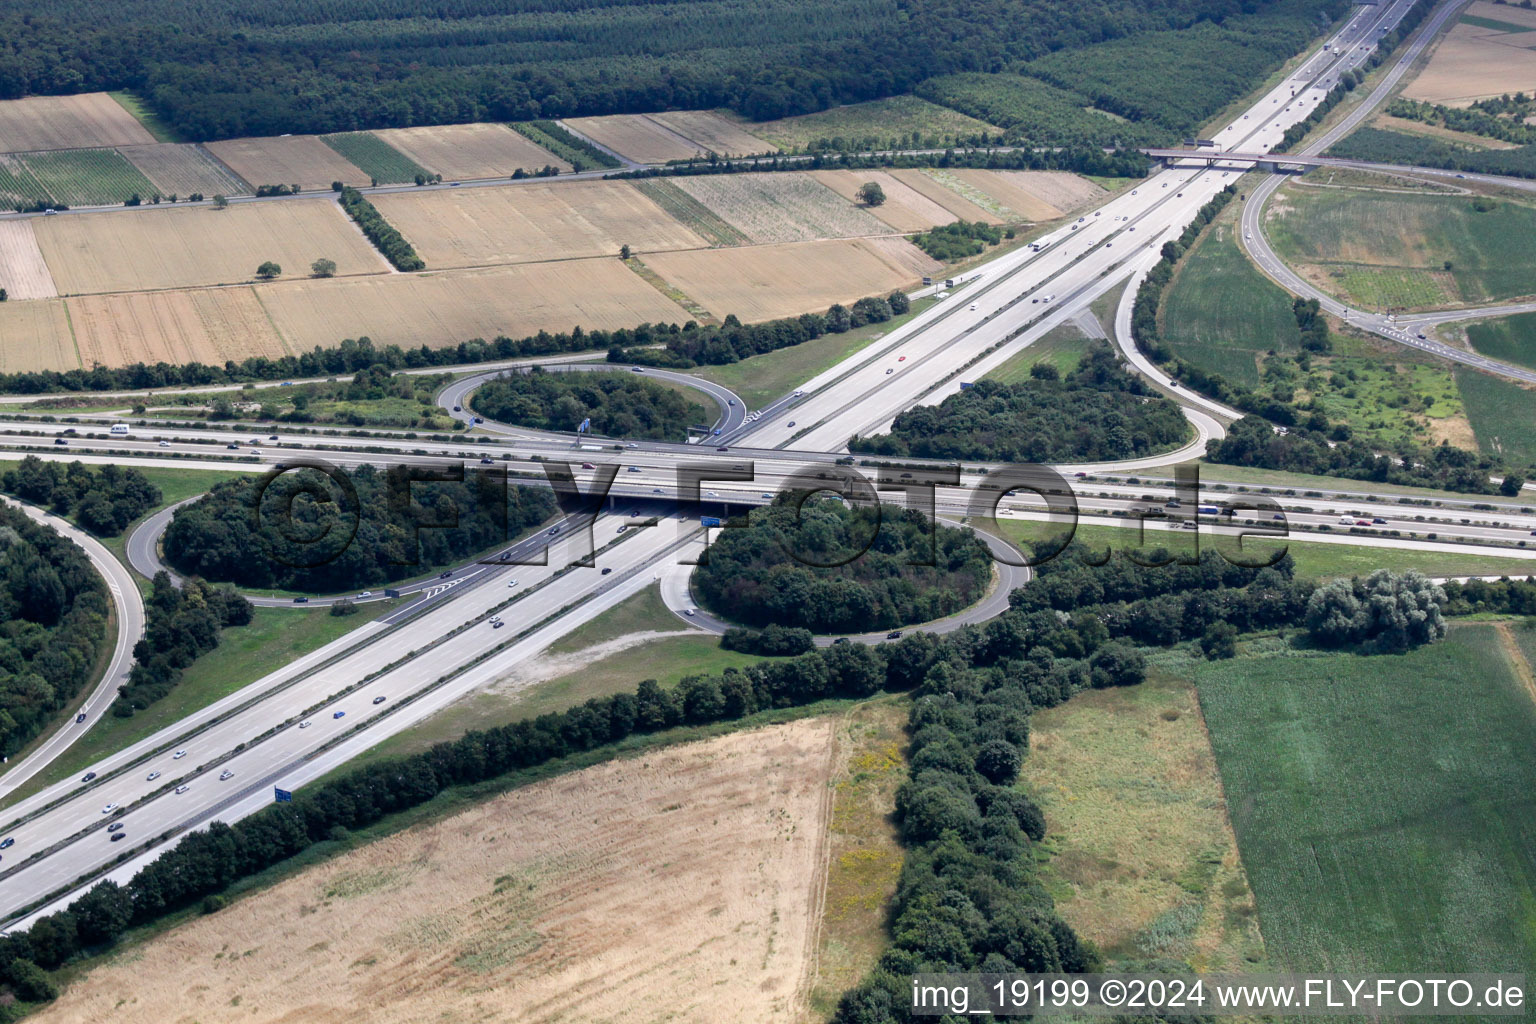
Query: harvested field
[458,151]
[23,271]
[767,281]
[1474,62]
[302,160]
[687,879]
[1033,195]
[35,336]
[781,207]
[87,177]
[205,325]
[446,308]
[925,183]
[184,169]
[68,122]
[169,247]
[532,222]
[635,136]
[714,132]
[904,209]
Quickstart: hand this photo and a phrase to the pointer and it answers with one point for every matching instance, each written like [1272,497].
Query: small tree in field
[871,194]
[221,202]
[323,267]
[268,270]
[623,252]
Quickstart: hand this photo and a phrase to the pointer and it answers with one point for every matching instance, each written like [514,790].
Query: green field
[88,177]
[1385,806]
[690,211]
[376,158]
[274,637]
[152,122]
[1221,314]
[1062,347]
[877,124]
[1315,558]
[1385,249]
[1503,415]
[1512,338]
[18,186]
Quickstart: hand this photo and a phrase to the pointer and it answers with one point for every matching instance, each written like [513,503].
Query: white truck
[119,430]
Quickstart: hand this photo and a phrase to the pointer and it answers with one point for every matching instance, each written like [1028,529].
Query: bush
[773,641]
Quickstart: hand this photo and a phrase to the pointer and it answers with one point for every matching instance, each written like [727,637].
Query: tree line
[1097,413]
[53,625]
[1309,442]
[101,499]
[614,404]
[1098,162]
[571,148]
[384,236]
[380,527]
[181,624]
[950,242]
[831,568]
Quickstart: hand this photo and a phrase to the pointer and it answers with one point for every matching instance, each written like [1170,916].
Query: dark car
[80,718]
[444,575]
[722,449]
[60,440]
[607,570]
[119,835]
[88,776]
[235,445]
[6,844]
[458,408]
[116,826]
[339,714]
[301,600]
[894,634]
[380,700]
[840,640]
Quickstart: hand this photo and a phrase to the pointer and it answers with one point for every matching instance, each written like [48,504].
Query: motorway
[282,730]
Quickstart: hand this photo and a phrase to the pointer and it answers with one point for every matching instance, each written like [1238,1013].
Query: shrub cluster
[772,641]
[103,499]
[949,242]
[617,404]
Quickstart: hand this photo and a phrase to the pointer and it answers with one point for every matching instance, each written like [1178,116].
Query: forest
[616,404]
[1381,145]
[286,66]
[53,625]
[102,499]
[831,568]
[379,527]
[1097,413]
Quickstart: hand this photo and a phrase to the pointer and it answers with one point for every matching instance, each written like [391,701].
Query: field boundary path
[1517,660]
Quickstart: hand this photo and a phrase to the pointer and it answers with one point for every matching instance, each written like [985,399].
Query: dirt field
[447,308]
[926,184]
[205,325]
[183,170]
[662,888]
[167,247]
[35,336]
[1474,62]
[302,160]
[459,151]
[714,132]
[904,209]
[1033,195]
[68,122]
[535,221]
[636,136]
[781,207]
[767,281]
[23,272]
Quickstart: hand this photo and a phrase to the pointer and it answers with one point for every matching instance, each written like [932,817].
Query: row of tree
[302,530]
[102,499]
[611,404]
[733,341]
[830,567]
[1097,413]
[181,624]
[53,625]
[384,236]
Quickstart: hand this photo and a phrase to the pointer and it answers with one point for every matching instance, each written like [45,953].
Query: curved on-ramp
[129,606]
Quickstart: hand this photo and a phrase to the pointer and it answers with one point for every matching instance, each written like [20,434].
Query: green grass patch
[1503,415]
[1220,313]
[18,186]
[146,116]
[1393,249]
[1314,558]
[1062,347]
[1511,338]
[376,158]
[1493,23]
[772,375]
[1383,805]
[685,208]
[644,612]
[274,637]
[89,177]
[878,124]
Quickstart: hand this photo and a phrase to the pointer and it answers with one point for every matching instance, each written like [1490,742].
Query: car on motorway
[301,600]
[497,624]
[458,408]
[632,445]
[151,777]
[165,444]
[1362,522]
[305,724]
[1378,521]
[7,843]
[182,789]
[633,469]
[635,369]
[60,440]
[840,640]
[654,490]
[1346,521]
[445,574]
[109,808]
[226,775]
[894,634]
[766,496]
[607,570]
[380,700]
[233,445]
[116,826]
[973,307]
[87,777]
[890,370]
[511,583]
[80,718]
[690,611]
[790,423]
[339,714]
[486,460]
[587,465]
[118,835]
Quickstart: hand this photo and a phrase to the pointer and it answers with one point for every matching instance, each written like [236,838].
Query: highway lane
[129,607]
